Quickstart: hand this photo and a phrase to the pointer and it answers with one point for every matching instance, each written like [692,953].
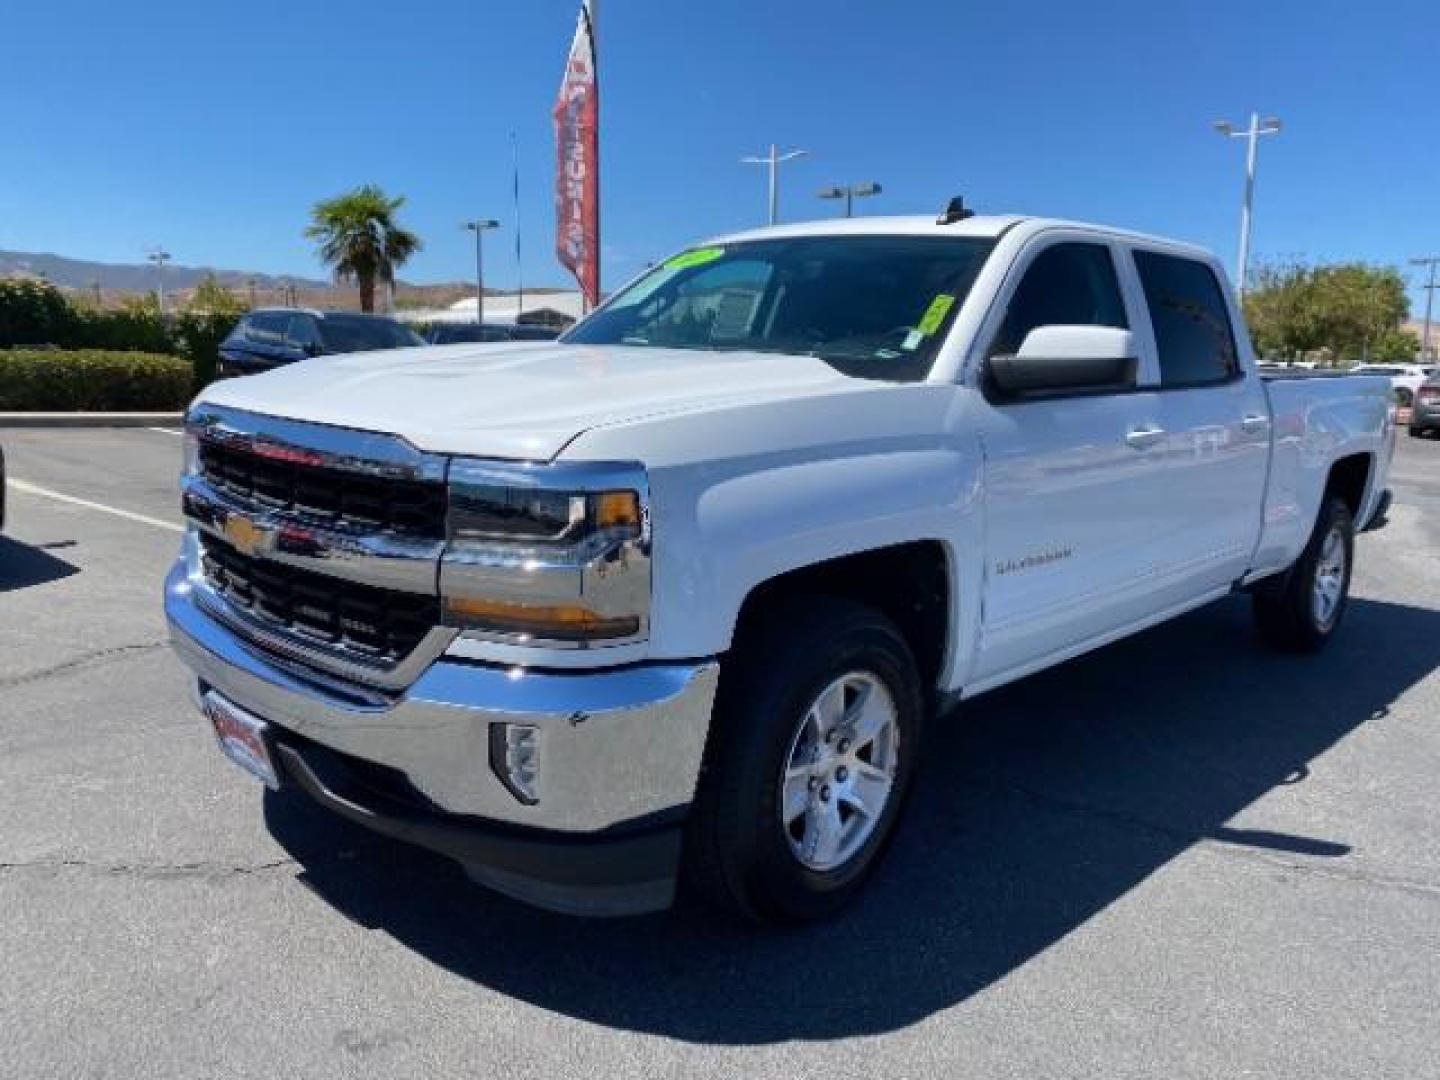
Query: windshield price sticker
[698,257]
[935,314]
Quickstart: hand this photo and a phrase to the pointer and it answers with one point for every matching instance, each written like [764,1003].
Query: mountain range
[134,277]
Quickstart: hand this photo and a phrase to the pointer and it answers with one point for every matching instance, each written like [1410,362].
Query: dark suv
[458,333]
[268,337]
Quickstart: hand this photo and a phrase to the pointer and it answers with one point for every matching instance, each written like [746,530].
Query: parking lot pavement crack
[1221,844]
[1356,875]
[80,663]
[147,871]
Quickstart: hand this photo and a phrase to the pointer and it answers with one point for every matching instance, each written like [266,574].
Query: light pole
[478,227]
[774,160]
[1269,126]
[1429,287]
[159,256]
[850,193]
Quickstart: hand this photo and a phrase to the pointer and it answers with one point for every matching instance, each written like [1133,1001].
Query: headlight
[486,515]
[548,555]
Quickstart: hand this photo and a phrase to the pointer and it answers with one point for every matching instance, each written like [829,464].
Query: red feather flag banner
[577,175]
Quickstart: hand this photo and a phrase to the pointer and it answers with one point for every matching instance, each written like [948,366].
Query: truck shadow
[24,565]
[1040,805]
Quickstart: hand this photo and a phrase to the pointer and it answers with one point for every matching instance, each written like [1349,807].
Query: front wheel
[1302,608]
[811,755]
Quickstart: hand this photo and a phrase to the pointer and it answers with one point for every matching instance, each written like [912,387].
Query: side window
[1065,285]
[301,332]
[267,327]
[1192,325]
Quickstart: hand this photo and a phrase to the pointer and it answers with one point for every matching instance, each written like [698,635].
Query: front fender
[728,531]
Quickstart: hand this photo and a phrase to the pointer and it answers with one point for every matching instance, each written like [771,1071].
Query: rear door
[1215,418]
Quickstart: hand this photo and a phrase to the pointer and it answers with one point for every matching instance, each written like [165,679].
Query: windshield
[875,307]
[360,333]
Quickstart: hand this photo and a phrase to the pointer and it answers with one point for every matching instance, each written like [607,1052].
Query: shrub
[203,323]
[34,312]
[92,381]
[135,325]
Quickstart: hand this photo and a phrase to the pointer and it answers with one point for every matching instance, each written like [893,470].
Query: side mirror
[1066,360]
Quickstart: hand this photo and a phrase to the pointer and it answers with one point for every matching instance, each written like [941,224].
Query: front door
[1071,484]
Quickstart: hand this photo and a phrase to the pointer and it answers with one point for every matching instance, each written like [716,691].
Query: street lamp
[850,193]
[1269,126]
[773,161]
[478,227]
[159,256]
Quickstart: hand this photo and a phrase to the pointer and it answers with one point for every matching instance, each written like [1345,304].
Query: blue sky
[212,128]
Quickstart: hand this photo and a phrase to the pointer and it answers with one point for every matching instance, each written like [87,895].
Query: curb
[90,420]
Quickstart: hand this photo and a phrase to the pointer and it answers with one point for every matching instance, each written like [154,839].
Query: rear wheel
[810,759]
[1302,608]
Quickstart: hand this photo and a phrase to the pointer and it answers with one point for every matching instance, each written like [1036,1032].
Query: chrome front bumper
[615,747]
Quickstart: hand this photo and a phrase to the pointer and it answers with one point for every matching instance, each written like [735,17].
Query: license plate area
[242,737]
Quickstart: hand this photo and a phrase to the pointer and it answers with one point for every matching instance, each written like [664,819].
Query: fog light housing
[515,759]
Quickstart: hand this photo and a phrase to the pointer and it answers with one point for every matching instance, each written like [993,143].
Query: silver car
[1425,409]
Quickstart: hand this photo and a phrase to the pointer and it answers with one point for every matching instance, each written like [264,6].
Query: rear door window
[301,333]
[267,327]
[1193,335]
[360,333]
[1071,284]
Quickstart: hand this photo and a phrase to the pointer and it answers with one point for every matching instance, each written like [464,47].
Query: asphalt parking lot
[1182,856]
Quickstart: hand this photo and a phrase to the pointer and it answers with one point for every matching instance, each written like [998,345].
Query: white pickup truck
[674,597]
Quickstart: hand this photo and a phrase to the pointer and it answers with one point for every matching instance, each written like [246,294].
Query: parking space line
[34,489]
[166,430]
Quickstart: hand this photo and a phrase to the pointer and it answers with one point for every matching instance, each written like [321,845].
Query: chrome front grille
[341,498]
[318,545]
[379,624]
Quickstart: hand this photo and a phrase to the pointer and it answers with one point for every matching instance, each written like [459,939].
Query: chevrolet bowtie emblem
[245,536]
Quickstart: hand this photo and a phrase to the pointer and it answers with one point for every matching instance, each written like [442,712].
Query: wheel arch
[1349,479]
[912,583]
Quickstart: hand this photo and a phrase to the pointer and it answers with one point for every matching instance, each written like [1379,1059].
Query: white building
[499,309]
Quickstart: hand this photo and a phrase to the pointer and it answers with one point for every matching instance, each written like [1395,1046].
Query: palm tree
[360,239]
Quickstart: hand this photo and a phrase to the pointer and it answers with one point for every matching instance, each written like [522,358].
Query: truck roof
[985,226]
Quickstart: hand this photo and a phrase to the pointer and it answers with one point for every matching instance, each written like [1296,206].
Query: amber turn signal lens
[617,508]
[554,622]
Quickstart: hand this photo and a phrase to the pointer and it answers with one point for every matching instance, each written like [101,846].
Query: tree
[203,323]
[360,239]
[1342,311]
[34,312]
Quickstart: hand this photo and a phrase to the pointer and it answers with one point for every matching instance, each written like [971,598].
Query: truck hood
[523,401]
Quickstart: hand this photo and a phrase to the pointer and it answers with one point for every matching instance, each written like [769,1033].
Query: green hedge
[92,381]
[35,314]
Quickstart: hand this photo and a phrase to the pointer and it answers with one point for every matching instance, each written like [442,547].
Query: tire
[1289,610]
[765,744]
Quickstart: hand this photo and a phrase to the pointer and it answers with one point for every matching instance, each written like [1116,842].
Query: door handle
[1143,438]
[1254,422]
